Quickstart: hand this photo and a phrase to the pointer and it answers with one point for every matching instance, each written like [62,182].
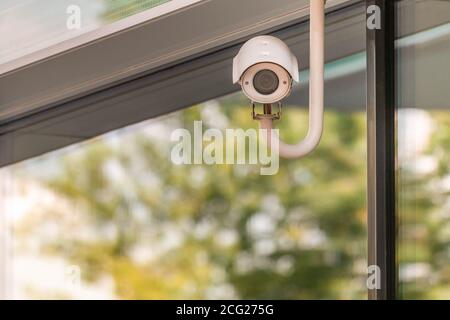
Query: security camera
[265,68]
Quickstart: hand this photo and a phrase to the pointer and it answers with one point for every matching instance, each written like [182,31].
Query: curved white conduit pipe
[316,89]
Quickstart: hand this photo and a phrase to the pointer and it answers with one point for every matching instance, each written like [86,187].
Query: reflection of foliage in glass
[118,9]
[424,219]
[167,231]
[313,211]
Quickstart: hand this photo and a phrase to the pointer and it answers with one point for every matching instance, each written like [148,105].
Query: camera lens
[265,82]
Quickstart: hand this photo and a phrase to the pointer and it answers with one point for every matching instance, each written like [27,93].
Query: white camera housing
[269,61]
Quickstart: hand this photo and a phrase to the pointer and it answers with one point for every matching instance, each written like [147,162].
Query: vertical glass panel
[423,83]
[115,217]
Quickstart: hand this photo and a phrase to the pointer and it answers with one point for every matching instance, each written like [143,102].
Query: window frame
[382,105]
[381,151]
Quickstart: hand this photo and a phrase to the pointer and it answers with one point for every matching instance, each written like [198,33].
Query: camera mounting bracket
[267,109]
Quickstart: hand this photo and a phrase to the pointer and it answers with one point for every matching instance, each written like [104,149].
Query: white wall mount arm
[316,89]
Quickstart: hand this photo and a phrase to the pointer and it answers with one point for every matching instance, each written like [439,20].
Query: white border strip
[102,32]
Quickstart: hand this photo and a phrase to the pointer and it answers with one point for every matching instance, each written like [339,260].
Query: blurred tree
[424,216]
[198,231]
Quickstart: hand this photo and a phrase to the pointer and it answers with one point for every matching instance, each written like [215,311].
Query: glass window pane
[423,52]
[114,217]
[27,26]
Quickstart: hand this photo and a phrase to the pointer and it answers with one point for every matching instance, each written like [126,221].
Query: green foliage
[223,230]
[423,211]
